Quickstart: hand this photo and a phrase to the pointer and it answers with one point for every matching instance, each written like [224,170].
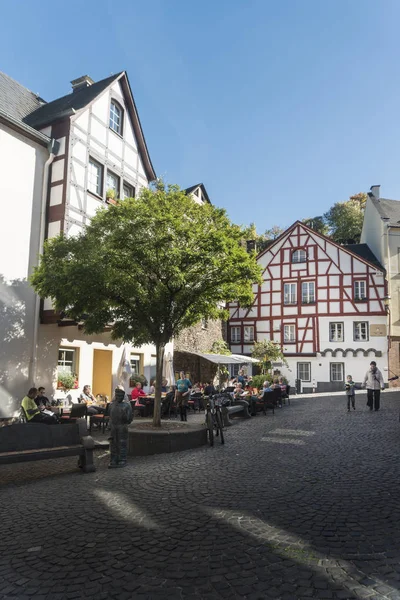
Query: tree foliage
[318,224]
[267,352]
[345,219]
[149,267]
[342,222]
[220,347]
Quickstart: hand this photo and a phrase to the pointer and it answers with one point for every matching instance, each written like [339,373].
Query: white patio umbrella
[124,367]
[168,369]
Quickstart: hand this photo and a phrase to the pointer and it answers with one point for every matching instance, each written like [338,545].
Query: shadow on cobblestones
[252,519]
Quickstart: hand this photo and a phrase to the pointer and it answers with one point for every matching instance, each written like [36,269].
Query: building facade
[322,303]
[70,154]
[381,231]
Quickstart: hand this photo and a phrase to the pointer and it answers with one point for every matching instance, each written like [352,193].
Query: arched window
[299,256]
[116,114]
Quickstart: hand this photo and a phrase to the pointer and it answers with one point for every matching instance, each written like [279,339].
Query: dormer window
[116,114]
[299,256]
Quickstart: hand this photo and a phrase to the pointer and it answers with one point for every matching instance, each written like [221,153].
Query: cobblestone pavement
[303,504]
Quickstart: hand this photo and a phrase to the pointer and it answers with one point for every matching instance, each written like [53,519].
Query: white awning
[222,359]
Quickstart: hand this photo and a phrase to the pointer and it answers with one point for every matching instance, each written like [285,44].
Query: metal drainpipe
[389,287]
[53,148]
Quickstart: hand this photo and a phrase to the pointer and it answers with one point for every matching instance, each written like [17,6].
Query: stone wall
[394,361]
[197,339]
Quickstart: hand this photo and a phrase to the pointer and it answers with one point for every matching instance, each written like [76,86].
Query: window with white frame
[113,182]
[116,117]
[95,177]
[235,335]
[136,364]
[308,292]
[304,371]
[290,293]
[299,256]
[360,290]
[337,372]
[336,332]
[361,333]
[248,333]
[128,191]
[66,361]
[289,334]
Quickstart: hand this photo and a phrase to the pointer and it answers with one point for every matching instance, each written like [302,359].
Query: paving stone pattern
[261,517]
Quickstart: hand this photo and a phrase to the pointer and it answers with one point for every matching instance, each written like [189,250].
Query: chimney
[375,191]
[81,83]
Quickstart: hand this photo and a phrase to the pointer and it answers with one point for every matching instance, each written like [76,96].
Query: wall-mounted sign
[377,330]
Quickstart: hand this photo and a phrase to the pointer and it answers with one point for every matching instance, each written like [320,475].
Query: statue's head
[119,395]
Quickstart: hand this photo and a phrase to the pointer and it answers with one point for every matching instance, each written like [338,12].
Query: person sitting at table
[152,388]
[137,393]
[241,394]
[41,400]
[87,398]
[33,413]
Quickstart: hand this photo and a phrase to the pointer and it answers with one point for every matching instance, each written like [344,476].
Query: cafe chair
[101,419]
[139,407]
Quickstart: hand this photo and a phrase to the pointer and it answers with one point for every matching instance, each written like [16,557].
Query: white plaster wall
[373,230]
[320,368]
[21,164]
[52,337]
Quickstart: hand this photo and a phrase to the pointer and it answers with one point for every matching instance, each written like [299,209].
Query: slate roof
[67,104]
[16,100]
[364,251]
[388,209]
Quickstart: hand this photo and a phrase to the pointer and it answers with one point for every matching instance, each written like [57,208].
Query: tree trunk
[160,349]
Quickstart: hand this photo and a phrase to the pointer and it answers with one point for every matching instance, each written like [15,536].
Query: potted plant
[66,382]
[111,196]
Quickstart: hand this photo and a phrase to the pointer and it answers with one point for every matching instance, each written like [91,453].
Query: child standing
[350,392]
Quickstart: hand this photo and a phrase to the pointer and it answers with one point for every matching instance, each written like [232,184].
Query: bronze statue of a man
[120,417]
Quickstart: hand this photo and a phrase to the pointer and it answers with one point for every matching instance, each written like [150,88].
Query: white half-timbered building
[323,303]
[61,159]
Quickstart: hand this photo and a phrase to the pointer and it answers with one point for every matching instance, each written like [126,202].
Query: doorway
[102,373]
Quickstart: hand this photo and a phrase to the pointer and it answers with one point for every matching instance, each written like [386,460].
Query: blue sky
[280,107]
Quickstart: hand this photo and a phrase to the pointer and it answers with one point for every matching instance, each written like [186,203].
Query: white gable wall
[92,137]
[22,163]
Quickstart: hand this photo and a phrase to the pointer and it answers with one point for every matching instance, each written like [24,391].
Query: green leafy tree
[149,267]
[317,224]
[266,352]
[220,347]
[345,219]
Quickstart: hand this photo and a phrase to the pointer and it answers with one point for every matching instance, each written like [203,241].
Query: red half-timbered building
[322,302]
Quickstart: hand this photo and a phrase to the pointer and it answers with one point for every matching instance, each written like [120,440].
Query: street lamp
[386,302]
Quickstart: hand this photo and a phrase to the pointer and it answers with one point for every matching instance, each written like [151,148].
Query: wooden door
[102,373]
